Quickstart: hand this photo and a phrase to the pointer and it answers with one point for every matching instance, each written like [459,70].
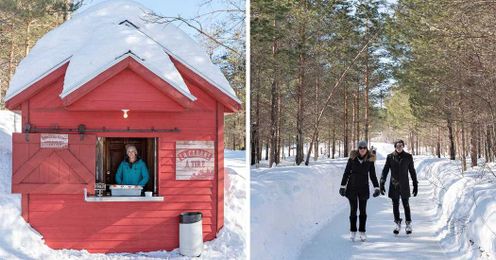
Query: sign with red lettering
[60,141]
[195,160]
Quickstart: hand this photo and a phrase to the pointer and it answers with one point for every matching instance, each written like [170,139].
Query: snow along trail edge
[332,241]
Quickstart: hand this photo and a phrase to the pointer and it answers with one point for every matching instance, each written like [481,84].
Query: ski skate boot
[362,236]
[352,236]
[397,227]
[408,228]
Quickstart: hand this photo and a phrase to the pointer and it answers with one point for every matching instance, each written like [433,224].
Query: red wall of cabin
[67,221]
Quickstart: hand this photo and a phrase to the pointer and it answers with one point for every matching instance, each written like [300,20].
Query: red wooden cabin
[69,143]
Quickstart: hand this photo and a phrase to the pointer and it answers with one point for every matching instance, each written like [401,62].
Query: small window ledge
[121,199]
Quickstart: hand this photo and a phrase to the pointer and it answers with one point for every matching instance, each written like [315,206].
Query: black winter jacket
[400,165]
[356,175]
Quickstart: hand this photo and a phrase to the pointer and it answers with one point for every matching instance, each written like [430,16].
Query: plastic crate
[126,190]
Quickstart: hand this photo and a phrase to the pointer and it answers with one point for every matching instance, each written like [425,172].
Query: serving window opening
[111,151]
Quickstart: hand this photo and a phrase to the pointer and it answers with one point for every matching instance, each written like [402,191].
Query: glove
[415,189]
[342,191]
[383,190]
[376,192]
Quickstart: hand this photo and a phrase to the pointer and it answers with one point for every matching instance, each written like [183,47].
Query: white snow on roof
[102,44]
[184,49]
[97,38]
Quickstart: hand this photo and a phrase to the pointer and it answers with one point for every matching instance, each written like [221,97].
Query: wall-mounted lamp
[125,112]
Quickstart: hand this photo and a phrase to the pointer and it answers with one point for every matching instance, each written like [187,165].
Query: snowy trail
[333,242]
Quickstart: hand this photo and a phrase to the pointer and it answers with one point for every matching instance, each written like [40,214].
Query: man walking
[400,163]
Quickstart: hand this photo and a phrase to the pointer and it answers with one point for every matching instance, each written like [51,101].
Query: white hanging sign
[54,141]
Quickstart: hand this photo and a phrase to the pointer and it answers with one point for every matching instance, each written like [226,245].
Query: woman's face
[362,151]
[132,155]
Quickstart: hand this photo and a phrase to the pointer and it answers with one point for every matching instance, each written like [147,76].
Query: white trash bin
[190,234]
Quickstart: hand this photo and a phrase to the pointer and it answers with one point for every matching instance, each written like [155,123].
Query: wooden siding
[220,166]
[46,109]
[67,221]
[113,95]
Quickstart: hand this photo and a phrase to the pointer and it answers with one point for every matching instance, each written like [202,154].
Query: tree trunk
[278,133]
[299,114]
[255,137]
[366,97]
[479,143]
[357,113]
[299,119]
[258,140]
[316,149]
[417,144]
[493,136]
[273,108]
[4,84]
[438,143]
[353,118]
[67,10]
[473,145]
[411,142]
[267,150]
[489,145]
[27,39]
[463,151]
[329,140]
[289,146]
[316,108]
[345,128]
[333,141]
[451,137]
[253,148]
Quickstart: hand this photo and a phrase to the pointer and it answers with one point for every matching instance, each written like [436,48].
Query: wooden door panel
[53,170]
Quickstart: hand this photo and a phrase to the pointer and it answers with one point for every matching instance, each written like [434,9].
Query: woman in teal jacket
[132,171]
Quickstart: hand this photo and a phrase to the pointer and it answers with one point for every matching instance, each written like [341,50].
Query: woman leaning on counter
[132,170]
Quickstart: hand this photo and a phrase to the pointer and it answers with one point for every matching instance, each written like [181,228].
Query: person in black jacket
[400,163]
[355,186]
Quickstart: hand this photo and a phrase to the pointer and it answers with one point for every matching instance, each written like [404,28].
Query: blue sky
[183,8]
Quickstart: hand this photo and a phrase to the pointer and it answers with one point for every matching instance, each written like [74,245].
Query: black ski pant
[396,209]
[360,203]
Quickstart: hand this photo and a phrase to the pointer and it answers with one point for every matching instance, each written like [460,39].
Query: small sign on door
[57,141]
[195,160]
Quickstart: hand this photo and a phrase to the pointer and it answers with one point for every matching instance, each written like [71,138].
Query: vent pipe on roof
[128,23]
[130,53]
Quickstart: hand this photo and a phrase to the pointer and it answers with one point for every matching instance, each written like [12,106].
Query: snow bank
[290,204]
[9,123]
[19,241]
[466,217]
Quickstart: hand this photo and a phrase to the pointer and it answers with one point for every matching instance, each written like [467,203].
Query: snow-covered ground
[454,215]
[19,241]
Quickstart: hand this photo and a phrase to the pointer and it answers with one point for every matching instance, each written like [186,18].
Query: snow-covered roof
[98,37]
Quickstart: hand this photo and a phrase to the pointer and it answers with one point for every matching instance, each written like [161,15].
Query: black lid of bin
[190,217]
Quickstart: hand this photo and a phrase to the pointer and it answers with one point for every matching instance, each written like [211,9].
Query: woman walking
[355,186]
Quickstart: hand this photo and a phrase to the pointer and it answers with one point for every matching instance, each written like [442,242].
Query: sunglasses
[361,147]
